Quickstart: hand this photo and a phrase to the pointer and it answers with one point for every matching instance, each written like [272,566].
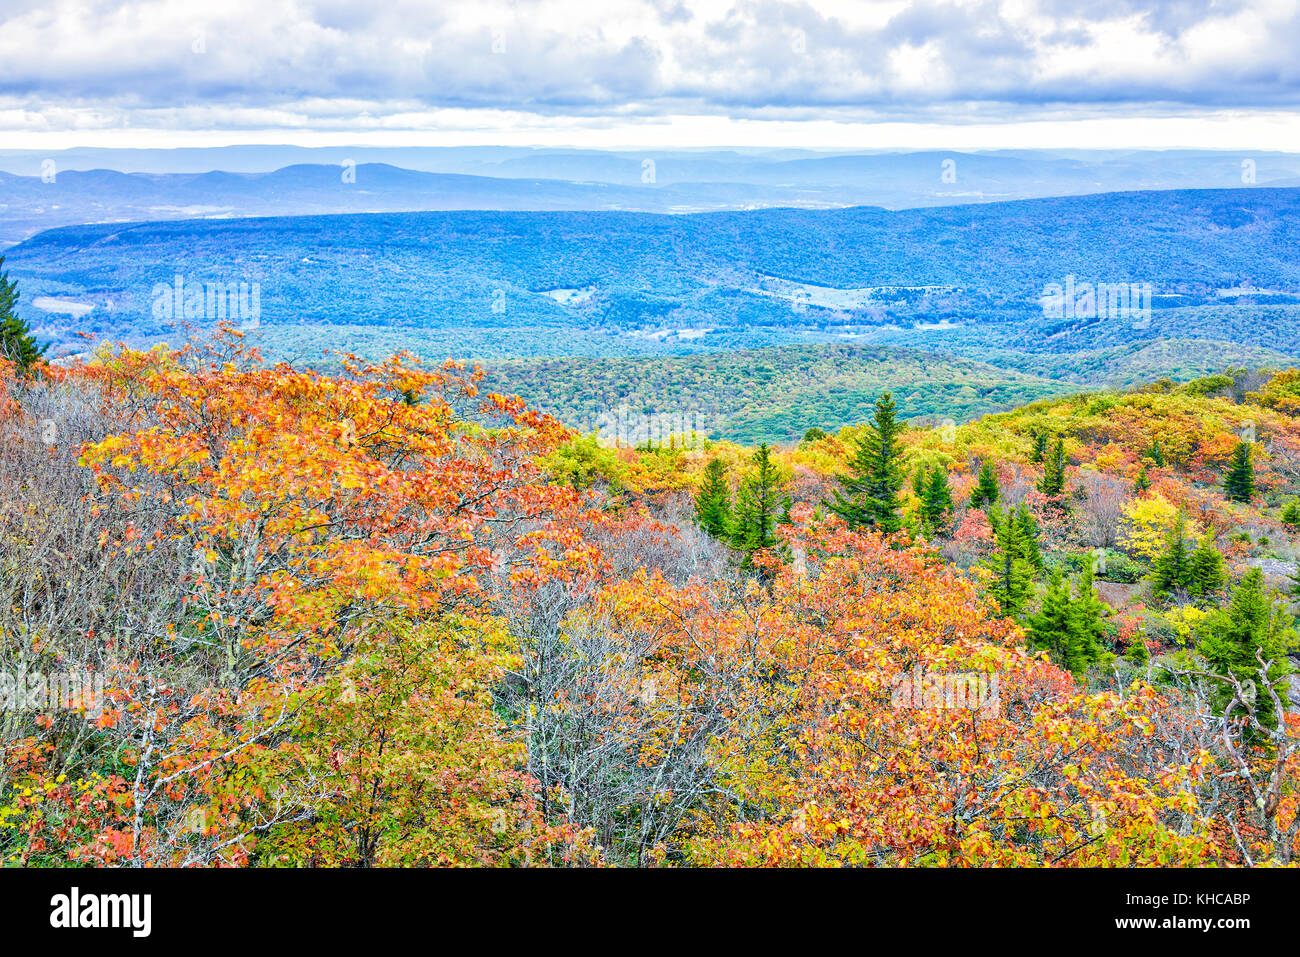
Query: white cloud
[550,66]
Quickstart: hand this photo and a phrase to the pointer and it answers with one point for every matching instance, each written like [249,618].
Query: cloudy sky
[970,73]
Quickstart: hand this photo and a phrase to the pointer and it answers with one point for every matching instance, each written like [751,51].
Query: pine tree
[1137,651]
[936,499]
[1239,483]
[1143,481]
[757,508]
[870,495]
[1207,573]
[996,518]
[1173,569]
[713,501]
[1050,628]
[1027,532]
[1156,454]
[1070,628]
[1039,449]
[1090,614]
[1013,572]
[1291,514]
[986,490]
[16,341]
[1053,482]
[1251,624]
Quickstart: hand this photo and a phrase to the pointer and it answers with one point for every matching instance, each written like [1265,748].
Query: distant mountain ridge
[636,277]
[30,204]
[657,309]
[79,186]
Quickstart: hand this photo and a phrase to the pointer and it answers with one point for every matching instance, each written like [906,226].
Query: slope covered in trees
[967,280]
[778,393]
[384,617]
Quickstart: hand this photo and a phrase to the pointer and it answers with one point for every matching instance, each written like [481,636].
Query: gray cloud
[171,62]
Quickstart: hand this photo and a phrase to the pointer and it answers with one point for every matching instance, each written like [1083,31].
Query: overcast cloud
[360,65]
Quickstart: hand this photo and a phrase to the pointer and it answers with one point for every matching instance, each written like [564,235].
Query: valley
[640,307]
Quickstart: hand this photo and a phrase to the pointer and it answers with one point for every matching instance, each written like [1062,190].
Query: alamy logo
[623,427]
[208,300]
[928,690]
[79,691]
[1102,300]
[134,911]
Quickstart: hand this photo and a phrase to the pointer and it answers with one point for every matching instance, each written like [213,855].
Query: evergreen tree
[1051,627]
[1239,483]
[1137,651]
[996,518]
[936,499]
[16,341]
[1027,532]
[1207,573]
[1070,628]
[986,489]
[1252,623]
[1173,569]
[786,518]
[1039,449]
[1156,454]
[713,501]
[1053,482]
[1291,514]
[1143,481]
[1090,614]
[870,495]
[757,508]
[1013,572]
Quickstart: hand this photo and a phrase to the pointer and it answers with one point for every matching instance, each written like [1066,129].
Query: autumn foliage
[380,619]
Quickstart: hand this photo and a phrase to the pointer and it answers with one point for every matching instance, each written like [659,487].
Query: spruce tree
[1039,449]
[1070,627]
[986,489]
[1239,482]
[1251,624]
[1137,652]
[870,495]
[1291,514]
[16,341]
[936,499]
[1053,482]
[1013,572]
[1173,569]
[1051,627]
[1156,454]
[1027,532]
[757,509]
[713,501]
[1090,614]
[1143,481]
[1207,573]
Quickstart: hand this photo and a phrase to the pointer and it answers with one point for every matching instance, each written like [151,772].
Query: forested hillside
[388,617]
[536,296]
[466,284]
[761,394]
